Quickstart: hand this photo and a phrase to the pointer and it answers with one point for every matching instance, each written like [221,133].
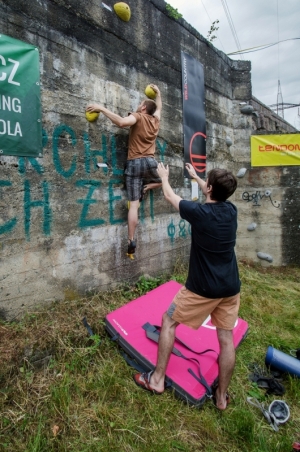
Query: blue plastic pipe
[281,361]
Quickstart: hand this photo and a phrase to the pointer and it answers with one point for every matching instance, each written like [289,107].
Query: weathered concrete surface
[63,222]
[277,216]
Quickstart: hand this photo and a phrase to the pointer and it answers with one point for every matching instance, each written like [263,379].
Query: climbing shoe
[131,249]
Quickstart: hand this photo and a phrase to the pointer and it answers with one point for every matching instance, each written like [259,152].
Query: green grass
[86,388]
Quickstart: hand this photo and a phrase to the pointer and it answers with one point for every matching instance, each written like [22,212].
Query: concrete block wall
[277,217]
[63,221]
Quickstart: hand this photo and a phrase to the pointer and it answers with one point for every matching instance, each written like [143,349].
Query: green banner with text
[20,99]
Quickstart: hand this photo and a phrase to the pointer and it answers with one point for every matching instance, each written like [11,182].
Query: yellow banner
[275,150]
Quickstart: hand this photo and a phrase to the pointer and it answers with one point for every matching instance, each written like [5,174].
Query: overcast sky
[256,22]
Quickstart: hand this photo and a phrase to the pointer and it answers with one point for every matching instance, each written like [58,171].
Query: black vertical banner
[194,126]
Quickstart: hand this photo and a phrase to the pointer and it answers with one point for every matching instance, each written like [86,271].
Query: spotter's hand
[190,169]
[163,171]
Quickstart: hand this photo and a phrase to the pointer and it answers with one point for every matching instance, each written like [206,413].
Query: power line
[212,23]
[284,106]
[278,42]
[231,25]
[261,47]
[280,109]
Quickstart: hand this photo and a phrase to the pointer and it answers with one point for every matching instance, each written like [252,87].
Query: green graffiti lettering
[182,231]
[58,132]
[161,148]
[171,231]
[9,225]
[44,138]
[142,207]
[151,196]
[34,163]
[85,222]
[90,155]
[112,199]
[116,171]
[29,204]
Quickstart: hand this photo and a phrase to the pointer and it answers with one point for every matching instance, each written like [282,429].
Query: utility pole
[280,109]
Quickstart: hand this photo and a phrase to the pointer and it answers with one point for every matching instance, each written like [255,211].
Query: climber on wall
[141,167]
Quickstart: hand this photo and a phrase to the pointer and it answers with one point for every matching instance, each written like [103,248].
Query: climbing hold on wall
[91,116]
[265,257]
[268,193]
[241,172]
[128,205]
[251,226]
[123,11]
[150,92]
[247,109]
[228,141]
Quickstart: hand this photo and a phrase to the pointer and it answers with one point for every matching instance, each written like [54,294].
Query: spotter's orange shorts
[192,310]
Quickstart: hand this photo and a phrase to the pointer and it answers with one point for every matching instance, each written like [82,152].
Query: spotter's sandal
[143,380]
[214,398]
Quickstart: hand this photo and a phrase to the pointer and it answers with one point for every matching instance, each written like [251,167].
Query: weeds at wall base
[86,391]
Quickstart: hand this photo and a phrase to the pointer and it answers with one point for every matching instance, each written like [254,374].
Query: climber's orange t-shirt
[142,136]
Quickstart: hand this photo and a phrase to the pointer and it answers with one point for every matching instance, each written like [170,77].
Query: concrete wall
[63,222]
[276,216]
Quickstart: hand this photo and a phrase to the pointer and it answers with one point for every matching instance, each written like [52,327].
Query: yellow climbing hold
[91,116]
[128,205]
[123,11]
[150,92]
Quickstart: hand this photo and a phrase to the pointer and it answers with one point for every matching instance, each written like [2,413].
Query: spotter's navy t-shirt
[213,270]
